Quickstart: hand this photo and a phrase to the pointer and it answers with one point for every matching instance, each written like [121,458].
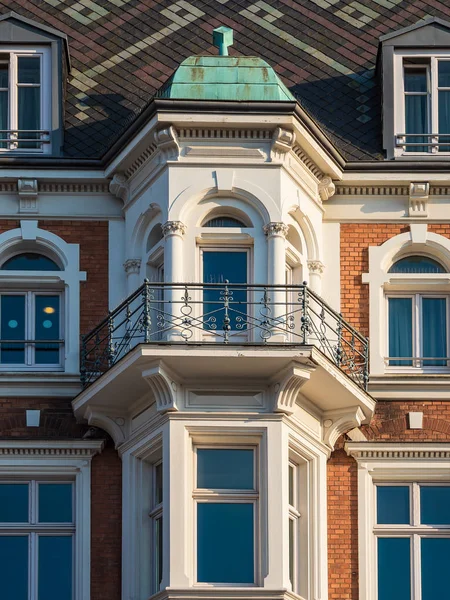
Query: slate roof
[123,51]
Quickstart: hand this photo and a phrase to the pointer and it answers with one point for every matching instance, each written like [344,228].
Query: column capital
[315,266]
[173,228]
[132,266]
[276,229]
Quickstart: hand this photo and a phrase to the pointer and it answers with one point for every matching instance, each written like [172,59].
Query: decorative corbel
[119,186]
[112,424]
[164,387]
[418,199]
[315,267]
[286,387]
[338,422]
[167,141]
[282,141]
[28,195]
[326,188]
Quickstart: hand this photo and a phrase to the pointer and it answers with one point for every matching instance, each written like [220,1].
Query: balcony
[198,315]
[429,143]
[24,141]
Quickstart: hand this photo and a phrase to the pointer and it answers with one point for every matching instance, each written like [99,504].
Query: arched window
[418,322]
[224,222]
[30,321]
[417,264]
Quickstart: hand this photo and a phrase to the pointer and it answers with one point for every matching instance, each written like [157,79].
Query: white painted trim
[63,459]
[30,236]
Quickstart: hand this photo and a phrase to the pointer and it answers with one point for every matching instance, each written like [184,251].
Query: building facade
[224,300]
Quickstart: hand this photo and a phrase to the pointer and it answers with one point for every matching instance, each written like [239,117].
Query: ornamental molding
[55,187]
[165,389]
[327,188]
[316,266]
[419,194]
[119,186]
[276,229]
[173,228]
[197,133]
[338,422]
[394,451]
[307,161]
[141,160]
[132,266]
[286,388]
[282,142]
[371,190]
[27,190]
[55,449]
[166,141]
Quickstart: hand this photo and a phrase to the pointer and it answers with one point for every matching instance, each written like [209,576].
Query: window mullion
[33,566]
[417,330]
[30,318]
[416,570]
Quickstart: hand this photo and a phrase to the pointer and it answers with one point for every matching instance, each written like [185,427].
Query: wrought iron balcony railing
[202,313]
[20,139]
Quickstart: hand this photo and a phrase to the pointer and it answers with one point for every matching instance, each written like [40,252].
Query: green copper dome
[239,78]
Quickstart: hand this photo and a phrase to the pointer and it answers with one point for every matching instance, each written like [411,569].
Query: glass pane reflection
[225,469]
[225,543]
[14,503]
[55,567]
[435,568]
[393,505]
[14,567]
[394,569]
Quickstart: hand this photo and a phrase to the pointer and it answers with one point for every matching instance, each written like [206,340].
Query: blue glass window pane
[55,503]
[434,328]
[415,80]
[416,121]
[30,261]
[225,543]
[435,505]
[55,568]
[219,267]
[444,119]
[12,328]
[417,264]
[14,567]
[435,568]
[225,469]
[444,73]
[14,503]
[47,318]
[400,331]
[394,569]
[393,505]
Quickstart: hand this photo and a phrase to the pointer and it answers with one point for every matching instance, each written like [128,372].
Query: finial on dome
[222,38]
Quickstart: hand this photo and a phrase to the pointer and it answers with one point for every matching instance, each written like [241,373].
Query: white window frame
[30,364]
[204,495]
[417,336]
[390,463]
[433,112]
[59,461]
[33,529]
[156,514]
[46,96]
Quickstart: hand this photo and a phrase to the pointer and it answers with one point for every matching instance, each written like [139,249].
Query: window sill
[225,593]
[39,383]
[395,385]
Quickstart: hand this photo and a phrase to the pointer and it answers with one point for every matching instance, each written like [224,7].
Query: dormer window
[415,65]
[426,85]
[25,100]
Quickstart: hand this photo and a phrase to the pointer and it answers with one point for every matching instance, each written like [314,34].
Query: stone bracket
[282,142]
[340,421]
[119,186]
[165,388]
[114,424]
[27,190]
[286,387]
[167,141]
[326,188]
[418,199]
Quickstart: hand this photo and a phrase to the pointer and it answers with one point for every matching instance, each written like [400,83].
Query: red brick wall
[390,422]
[342,527]
[106,519]
[57,420]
